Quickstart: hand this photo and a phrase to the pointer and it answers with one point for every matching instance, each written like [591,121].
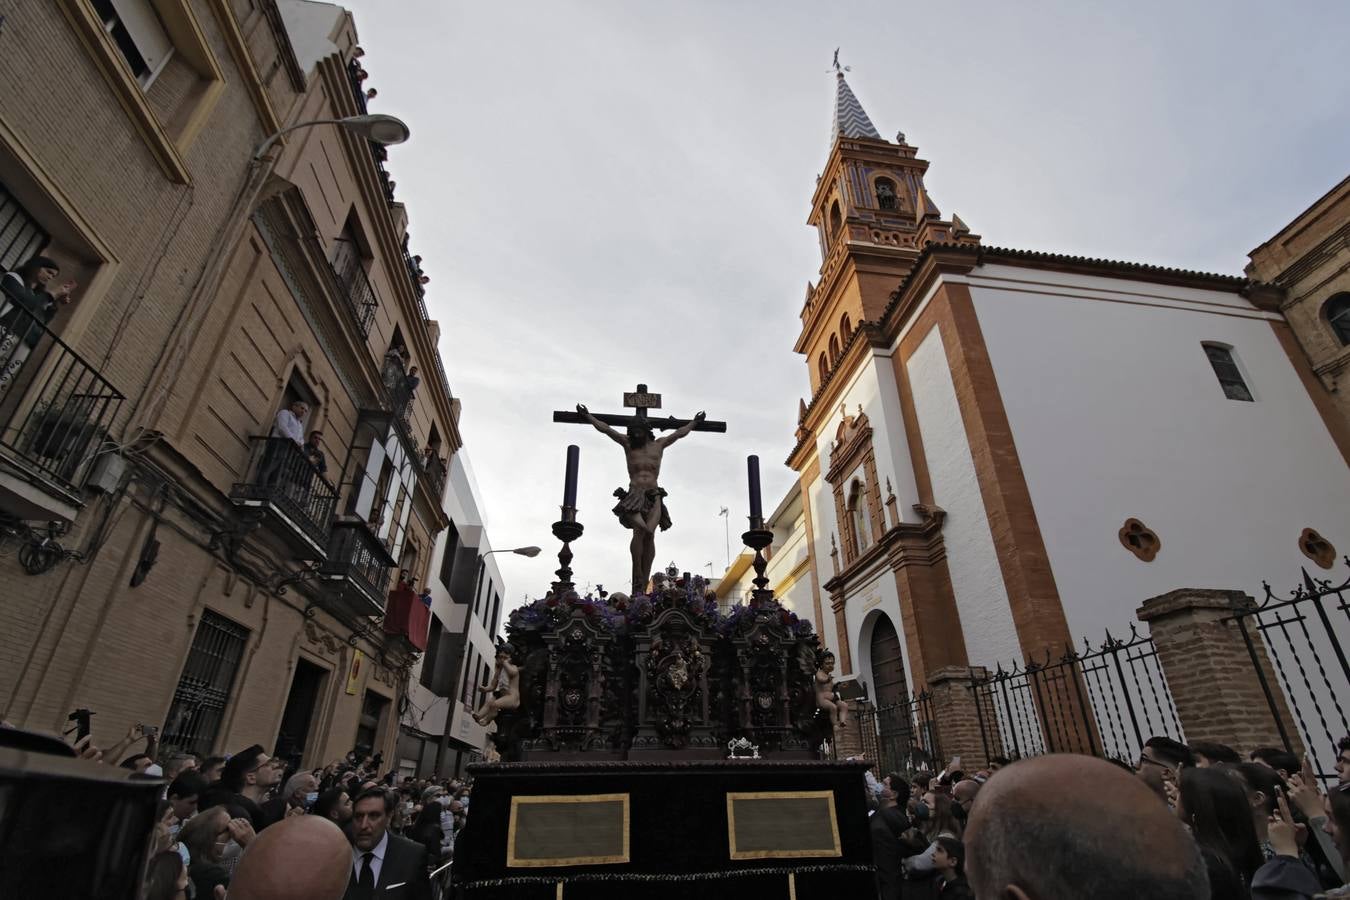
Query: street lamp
[528,552]
[375,127]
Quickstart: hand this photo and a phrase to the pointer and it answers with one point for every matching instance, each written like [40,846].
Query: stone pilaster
[1214,684]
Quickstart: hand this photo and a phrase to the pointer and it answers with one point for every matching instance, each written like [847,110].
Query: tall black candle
[570,488]
[756,508]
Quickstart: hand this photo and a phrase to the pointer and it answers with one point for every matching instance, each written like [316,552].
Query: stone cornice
[338,89]
[902,545]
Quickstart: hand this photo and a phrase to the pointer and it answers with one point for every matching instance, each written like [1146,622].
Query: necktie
[366,881]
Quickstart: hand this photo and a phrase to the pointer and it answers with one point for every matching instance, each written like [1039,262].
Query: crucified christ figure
[641,506]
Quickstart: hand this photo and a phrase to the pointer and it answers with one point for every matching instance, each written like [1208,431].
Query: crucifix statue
[641,507]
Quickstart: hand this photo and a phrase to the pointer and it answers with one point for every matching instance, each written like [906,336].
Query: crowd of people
[216,811]
[1183,823]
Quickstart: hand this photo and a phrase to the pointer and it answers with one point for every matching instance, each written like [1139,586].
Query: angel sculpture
[505,685]
[827,698]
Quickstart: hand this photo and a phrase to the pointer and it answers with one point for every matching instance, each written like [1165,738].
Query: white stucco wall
[1116,413]
[977,580]
[462,504]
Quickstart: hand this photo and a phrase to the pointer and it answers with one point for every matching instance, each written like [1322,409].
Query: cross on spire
[850,120]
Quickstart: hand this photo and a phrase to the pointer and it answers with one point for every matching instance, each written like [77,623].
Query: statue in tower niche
[641,507]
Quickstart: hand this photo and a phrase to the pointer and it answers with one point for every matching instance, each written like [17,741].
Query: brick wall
[1209,670]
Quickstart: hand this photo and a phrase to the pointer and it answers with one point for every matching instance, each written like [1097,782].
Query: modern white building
[437,731]
[1005,451]
[789,562]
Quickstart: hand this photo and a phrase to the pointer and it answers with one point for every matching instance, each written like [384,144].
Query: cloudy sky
[611,192]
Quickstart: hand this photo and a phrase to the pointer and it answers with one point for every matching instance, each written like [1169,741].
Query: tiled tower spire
[850,120]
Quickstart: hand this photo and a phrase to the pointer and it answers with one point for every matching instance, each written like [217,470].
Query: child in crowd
[949,861]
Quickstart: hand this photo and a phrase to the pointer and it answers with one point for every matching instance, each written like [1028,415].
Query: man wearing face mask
[300,793]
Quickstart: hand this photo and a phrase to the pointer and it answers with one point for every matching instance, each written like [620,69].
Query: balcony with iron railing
[398,395]
[360,563]
[433,471]
[56,410]
[281,481]
[379,155]
[354,285]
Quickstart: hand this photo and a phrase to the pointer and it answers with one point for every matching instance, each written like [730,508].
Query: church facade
[1005,451]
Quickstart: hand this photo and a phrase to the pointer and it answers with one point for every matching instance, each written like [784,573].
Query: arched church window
[1338,317]
[886,195]
[845,327]
[823,366]
[857,512]
[836,220]
[1226,370]
[834,348]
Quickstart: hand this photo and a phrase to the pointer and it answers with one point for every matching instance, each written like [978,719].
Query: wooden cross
[640,400]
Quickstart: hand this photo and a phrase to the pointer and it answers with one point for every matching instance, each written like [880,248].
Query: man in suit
[384,865]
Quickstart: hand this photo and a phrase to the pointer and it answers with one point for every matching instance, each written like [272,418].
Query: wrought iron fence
[1303,636]
[355,286]
[55,408]
[203,691]
[1105,701]
[280,475]
[901,737]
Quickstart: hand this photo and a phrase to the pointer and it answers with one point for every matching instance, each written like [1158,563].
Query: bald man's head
[1062,827]
[298,858]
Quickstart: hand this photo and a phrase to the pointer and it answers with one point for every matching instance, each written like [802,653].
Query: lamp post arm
[272,139]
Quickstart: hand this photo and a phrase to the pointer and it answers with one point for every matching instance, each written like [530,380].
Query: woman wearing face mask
[26,305]
[426,830]
[210,836]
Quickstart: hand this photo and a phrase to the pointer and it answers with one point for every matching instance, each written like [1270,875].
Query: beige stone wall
[185,308]
[1310,259]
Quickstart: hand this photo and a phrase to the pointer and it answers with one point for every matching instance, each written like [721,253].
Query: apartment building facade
[468,603]
[168,556]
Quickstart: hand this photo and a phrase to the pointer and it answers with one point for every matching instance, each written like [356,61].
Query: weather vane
[838,68]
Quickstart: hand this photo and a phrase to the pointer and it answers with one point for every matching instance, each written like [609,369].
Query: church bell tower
[873,215]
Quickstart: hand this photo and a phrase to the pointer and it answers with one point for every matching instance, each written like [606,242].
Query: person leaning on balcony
[313,451]
[26,306]
[289,422]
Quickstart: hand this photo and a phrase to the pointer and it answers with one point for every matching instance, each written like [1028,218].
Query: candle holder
[567,529]
[757,539]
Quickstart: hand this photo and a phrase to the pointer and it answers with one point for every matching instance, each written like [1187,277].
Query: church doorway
[888,667]
[897,740]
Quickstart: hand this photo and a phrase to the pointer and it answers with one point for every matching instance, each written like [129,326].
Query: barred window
[204,688]
[1227,371]
[21,237]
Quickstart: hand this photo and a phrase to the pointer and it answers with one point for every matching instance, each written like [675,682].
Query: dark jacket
[959,889]
[886,826]
[206,875]
[24,310]
[405,864]
[239,806]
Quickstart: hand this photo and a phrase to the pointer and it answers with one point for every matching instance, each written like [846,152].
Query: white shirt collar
[377,851]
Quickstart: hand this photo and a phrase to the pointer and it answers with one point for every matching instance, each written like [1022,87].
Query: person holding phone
[27,304]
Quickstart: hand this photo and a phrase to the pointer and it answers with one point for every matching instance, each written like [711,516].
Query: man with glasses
[1161,755]
[245,781]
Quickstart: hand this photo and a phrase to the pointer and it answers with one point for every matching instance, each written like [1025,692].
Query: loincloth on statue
[640,502]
